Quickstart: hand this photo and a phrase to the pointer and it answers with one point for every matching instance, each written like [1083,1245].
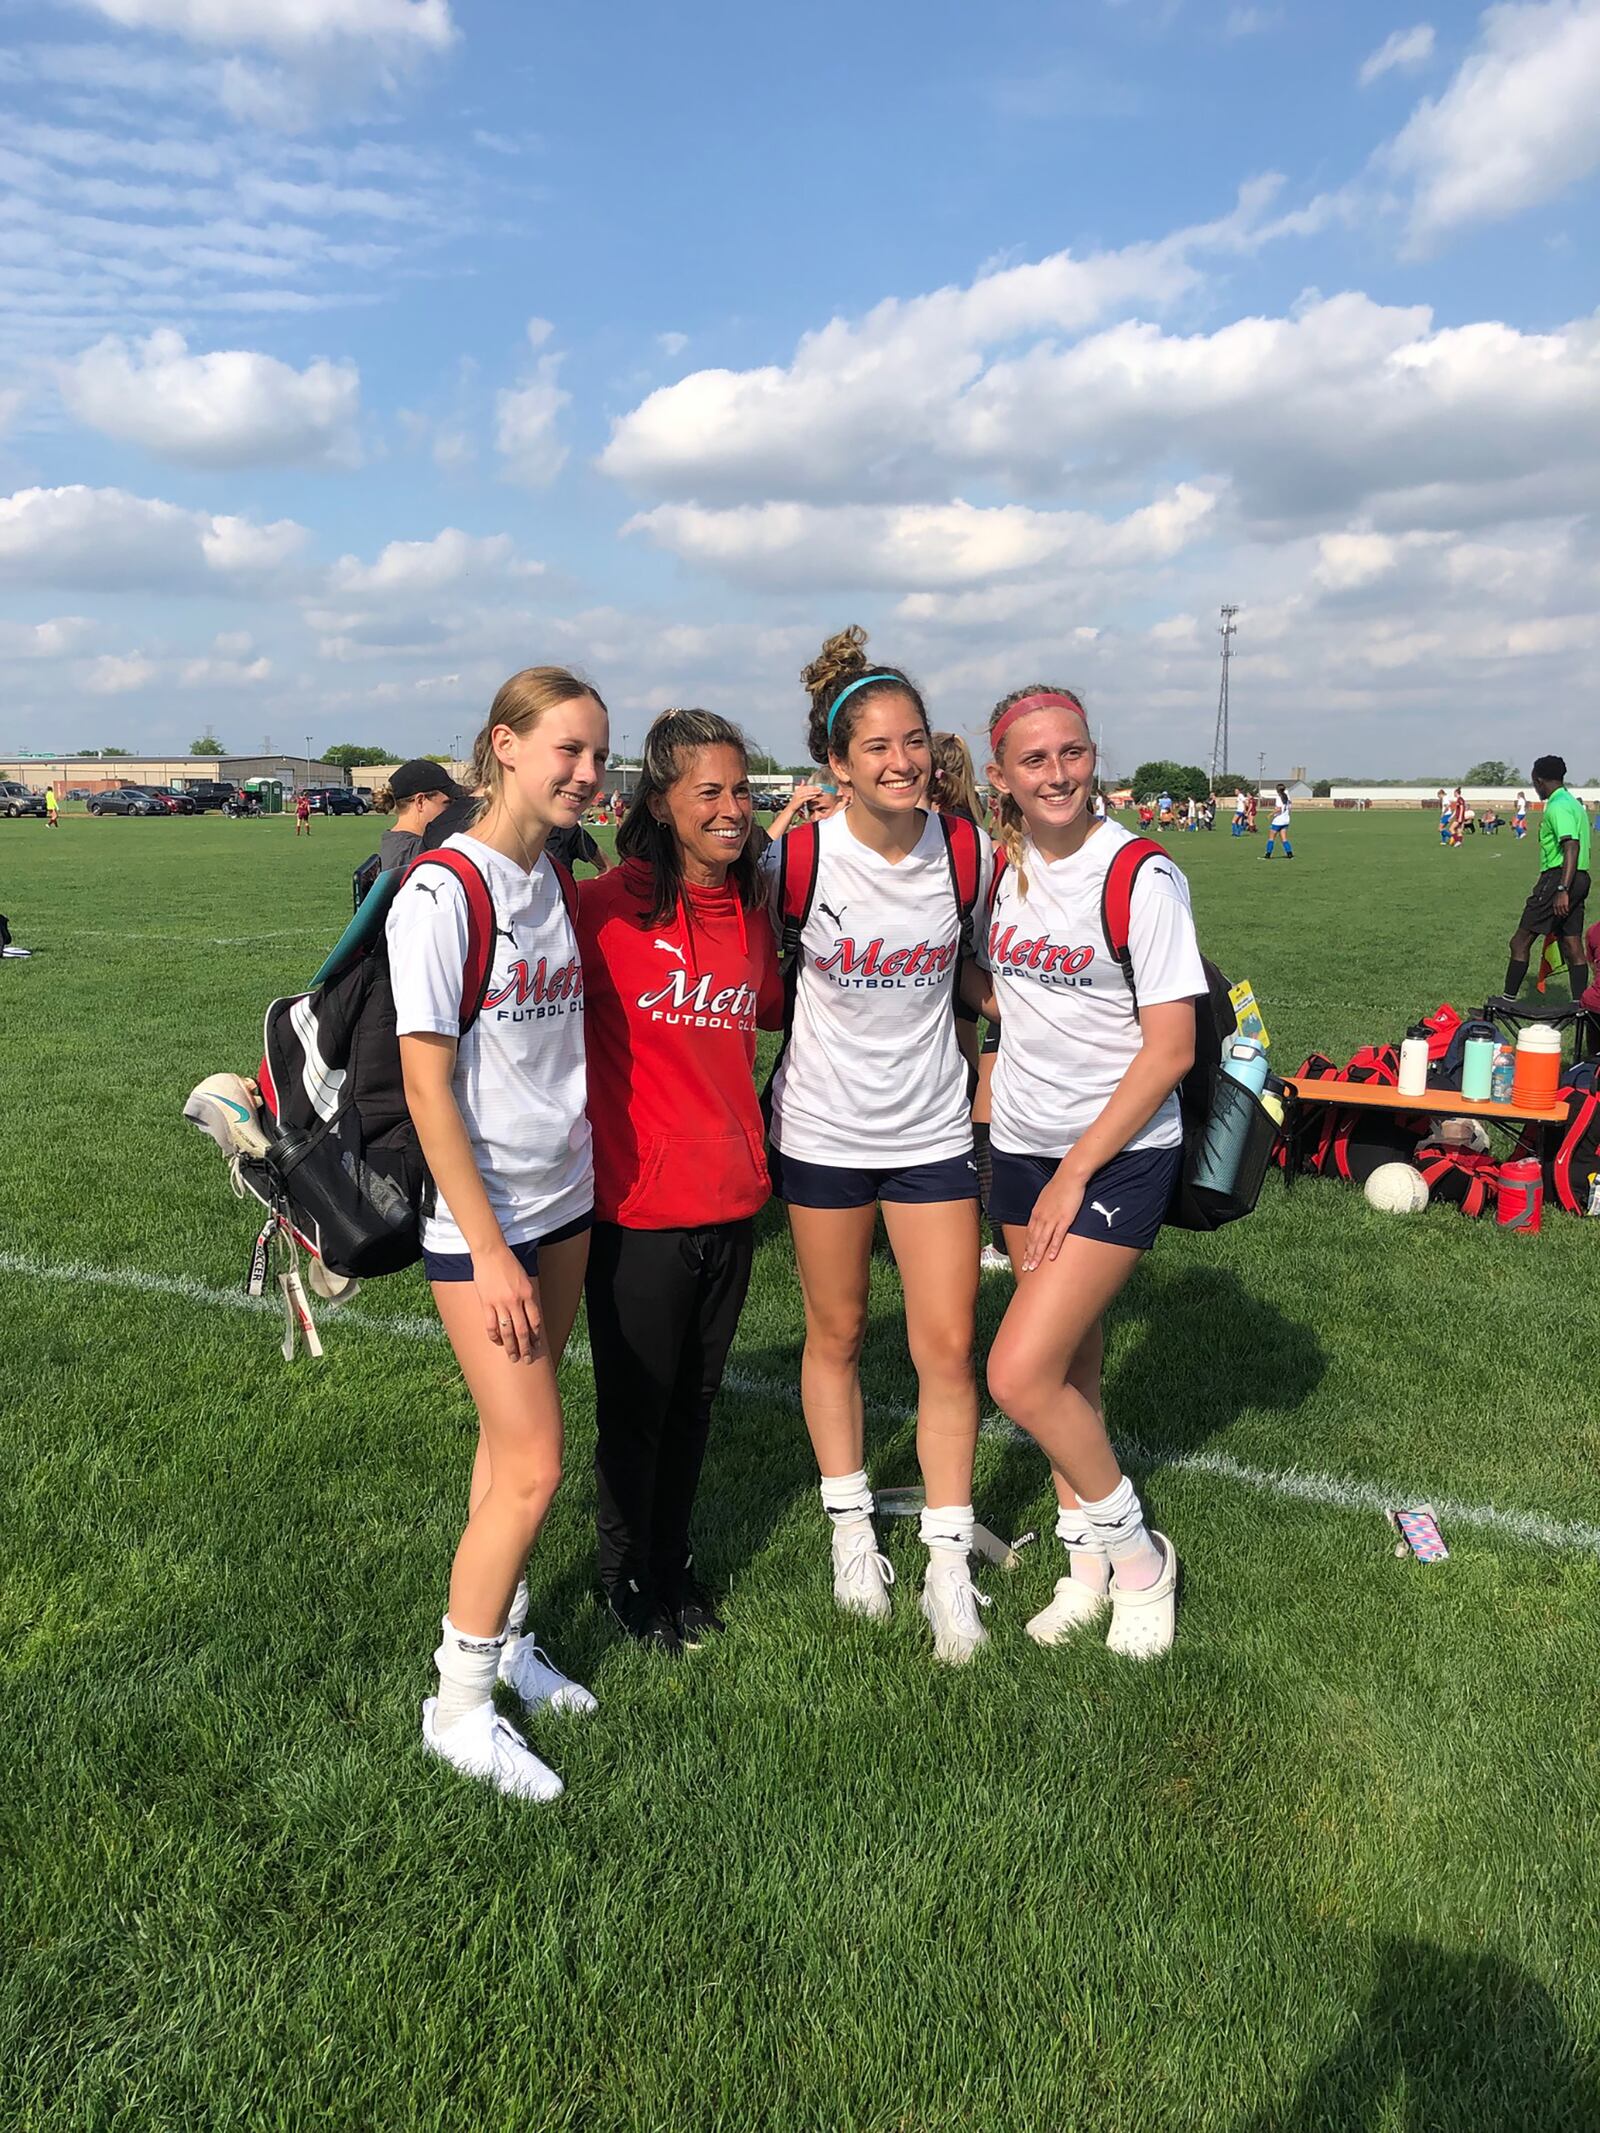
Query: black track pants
[664,1305]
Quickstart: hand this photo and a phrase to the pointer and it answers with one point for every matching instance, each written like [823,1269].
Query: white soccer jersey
[1280,816]
[872,1076]
[519,1081]
[1068,1031]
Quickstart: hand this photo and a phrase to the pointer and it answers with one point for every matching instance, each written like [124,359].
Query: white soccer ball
[1397,1189]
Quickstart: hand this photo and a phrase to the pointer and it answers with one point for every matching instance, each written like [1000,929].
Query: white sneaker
[994,1260]
[484,1745]
[534,1676]
[227,1107]
[1142,1623]
[1074,1606]
[861,1575]
[951,1603]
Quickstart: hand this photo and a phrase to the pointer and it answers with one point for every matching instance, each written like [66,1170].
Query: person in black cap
[416,796]
[572,846]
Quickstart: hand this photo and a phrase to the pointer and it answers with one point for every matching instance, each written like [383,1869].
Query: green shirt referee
[1557,900]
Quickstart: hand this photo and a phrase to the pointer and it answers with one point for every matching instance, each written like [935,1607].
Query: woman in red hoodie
[679,972]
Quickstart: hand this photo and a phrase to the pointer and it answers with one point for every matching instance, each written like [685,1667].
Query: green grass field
[1332,1865]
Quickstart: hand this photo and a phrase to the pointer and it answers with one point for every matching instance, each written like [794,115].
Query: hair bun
[840,660]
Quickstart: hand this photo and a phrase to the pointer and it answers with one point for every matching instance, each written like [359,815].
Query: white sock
[947,1534]
[1117,1522]
[1086,1562]
[467,1670]
[517,1619]
[847,1498]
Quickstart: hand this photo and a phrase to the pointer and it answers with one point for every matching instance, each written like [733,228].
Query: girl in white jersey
[499,1112]
[870,1109]
[1086,1141]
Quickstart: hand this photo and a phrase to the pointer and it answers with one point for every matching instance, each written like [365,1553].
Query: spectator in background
[417,794]
[574,846]
[52,808]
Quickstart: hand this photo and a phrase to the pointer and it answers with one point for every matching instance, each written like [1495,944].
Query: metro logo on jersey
[1038,955]
[869,966]
[533,995]
[702,1004]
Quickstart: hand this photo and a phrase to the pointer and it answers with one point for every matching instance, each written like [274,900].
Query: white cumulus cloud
[1518,124]
[528,416]
[109,539]
[230,408]
[1345,405]
[286,25]
[44,640]
[415,568]
[862,399]
[116,673]
[1401,48]
[916,546]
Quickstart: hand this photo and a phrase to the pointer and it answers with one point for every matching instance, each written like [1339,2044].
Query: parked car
[175,803]
[127,800]
[18,800]
[336,800]
[208,796]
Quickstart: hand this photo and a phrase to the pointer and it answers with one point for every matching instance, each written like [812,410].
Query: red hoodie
[670,1014]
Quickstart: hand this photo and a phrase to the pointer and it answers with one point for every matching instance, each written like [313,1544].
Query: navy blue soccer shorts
[953,1177]
[1125,1202]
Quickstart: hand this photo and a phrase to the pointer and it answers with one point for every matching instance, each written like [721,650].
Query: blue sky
[355,352]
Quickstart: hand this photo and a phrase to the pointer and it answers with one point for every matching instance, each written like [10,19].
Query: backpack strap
[962,853]
[1116,902]
[1001,862]
[480,924]
[797,888]
[569,890]
[798,858]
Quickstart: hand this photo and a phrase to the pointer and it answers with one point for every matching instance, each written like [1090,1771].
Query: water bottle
[1503,1074]
[1414,1062]
[1235,1097]
[1244,1061]
[1477,1062]
[1520,1205]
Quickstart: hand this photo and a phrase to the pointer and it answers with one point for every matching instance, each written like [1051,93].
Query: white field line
[1295,1484]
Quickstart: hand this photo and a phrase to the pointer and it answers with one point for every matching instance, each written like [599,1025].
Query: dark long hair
[667,755]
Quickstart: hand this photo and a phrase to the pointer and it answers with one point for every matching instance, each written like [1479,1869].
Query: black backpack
[345,1174]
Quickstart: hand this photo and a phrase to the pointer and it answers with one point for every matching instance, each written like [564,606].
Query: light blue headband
[851,690]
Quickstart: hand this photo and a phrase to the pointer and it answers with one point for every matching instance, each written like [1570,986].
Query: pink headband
[1046,700]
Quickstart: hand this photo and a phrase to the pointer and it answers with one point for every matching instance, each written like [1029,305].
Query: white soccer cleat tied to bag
[227,1108]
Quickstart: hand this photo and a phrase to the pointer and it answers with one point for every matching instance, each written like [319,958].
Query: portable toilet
[268,793]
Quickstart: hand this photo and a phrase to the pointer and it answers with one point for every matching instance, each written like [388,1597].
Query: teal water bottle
[1244,1061]
[1235,1100]
[1477,1061]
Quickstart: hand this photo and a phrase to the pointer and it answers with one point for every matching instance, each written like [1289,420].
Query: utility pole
[1219,745]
